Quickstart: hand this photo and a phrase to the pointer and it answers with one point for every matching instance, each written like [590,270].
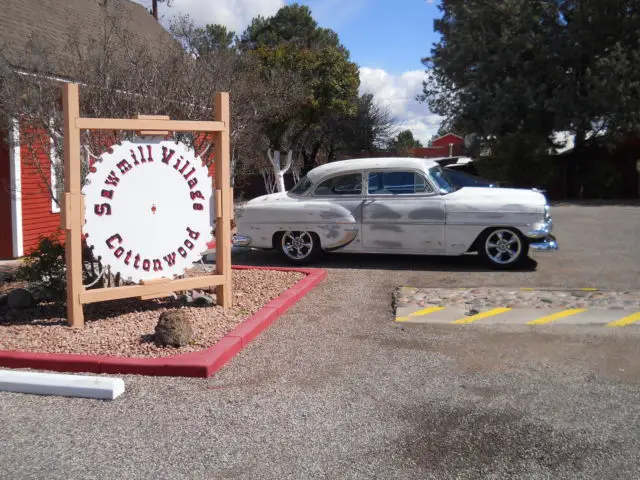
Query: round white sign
[148,208]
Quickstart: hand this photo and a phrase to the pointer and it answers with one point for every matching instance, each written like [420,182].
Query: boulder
[196,294]
[173,329]
[203,301]
[185,299]
[21,298]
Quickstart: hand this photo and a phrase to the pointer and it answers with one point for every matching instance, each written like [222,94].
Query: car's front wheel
[298,247]
[503,248]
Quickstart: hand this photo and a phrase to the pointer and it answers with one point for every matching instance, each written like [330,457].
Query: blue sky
[387,34]
[386,38]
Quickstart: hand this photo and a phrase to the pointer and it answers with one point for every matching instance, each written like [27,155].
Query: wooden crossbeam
[103,294]
[148,124]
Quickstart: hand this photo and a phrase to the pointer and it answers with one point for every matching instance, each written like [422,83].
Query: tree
[292,41]
[154,6]
[536,66]
[201,41]
[258,96]
[120,76]
[403,142]
[368,130]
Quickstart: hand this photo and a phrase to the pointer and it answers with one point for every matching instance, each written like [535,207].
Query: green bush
[518,160]
[601,180]
[44,268]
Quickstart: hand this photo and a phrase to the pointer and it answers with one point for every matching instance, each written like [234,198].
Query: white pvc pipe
[105,388]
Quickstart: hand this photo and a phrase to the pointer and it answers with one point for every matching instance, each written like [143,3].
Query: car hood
[503,199]
[272,197]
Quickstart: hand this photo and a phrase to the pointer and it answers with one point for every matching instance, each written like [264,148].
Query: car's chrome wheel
[504,248]
[299,247]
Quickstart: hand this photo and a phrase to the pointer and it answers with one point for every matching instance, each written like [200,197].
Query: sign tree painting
[148,208]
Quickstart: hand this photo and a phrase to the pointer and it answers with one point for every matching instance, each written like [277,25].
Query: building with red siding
[449,145]
[28,206]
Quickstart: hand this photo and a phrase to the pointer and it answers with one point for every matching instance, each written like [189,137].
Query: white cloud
[398,93]
[233,14]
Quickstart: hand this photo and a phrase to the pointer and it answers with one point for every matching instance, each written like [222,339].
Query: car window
[341,185]
[397,183]
[440,177]
[462,179]
[303,185]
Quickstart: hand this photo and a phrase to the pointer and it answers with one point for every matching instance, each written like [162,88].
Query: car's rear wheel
[298,247]
[503,248]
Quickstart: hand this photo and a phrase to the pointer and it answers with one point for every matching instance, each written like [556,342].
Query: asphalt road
[336,389]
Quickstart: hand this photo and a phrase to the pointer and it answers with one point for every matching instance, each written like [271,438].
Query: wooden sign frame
[72,213]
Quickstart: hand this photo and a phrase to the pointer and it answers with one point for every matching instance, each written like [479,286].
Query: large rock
[21,298]
[203,301]
[185,299]
[173,329]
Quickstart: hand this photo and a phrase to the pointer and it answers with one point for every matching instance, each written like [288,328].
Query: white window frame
[16,184]
[53,157]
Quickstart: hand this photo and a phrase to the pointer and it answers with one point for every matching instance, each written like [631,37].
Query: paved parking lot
[337,389]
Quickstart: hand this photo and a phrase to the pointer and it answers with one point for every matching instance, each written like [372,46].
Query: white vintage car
[396,206]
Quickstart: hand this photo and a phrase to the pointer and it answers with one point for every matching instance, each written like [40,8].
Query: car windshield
[463,179]
[301,187]
[441,179]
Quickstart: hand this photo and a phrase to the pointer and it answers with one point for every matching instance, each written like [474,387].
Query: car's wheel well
[474,246]
[277,235]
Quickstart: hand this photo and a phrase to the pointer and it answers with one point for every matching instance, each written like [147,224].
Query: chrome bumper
[548,244]
[541,229]
[241,241]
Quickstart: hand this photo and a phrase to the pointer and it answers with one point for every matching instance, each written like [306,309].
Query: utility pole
[154,6]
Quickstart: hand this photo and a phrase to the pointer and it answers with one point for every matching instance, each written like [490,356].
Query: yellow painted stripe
[480,316]
[527,289]
[419,313]
[556,316]
[623,322]
[589,289]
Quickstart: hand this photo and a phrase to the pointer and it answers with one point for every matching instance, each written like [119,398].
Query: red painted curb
[193,364]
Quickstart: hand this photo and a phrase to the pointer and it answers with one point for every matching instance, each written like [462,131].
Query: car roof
[347,166]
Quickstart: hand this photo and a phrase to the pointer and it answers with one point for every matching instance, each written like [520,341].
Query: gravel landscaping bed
[125,327]
[484,298]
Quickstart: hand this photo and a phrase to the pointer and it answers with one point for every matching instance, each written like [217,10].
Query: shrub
[45,268]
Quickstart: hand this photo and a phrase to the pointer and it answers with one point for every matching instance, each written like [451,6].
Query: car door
[402,213]
[337,211]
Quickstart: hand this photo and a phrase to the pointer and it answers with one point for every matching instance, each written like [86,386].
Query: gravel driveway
[336,389]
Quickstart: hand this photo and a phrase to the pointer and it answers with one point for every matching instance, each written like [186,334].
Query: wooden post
[73,205]
[223,184]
